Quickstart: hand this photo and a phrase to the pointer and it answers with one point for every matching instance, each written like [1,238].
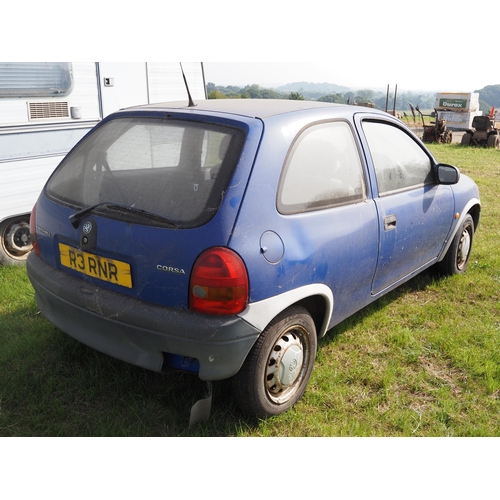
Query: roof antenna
[191,102]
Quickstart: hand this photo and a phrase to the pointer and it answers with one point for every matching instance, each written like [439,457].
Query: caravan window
[35,79]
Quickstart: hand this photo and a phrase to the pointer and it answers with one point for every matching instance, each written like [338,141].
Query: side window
[400,163]
[323,169]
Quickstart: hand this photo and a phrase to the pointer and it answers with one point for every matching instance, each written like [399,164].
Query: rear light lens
[219,283]
[34,239]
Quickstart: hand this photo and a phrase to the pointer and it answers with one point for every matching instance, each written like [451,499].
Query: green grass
[422,361]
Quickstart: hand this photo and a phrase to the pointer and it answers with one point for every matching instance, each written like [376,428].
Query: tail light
[34,239]
[219,283]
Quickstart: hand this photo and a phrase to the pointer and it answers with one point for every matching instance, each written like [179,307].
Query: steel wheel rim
[287,364]
[464,247]
[16,241]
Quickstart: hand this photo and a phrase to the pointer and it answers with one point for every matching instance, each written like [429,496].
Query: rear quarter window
[323,169]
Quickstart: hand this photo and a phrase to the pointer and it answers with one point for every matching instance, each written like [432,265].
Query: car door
[415,213]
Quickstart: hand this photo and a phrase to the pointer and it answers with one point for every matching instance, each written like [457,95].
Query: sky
[366,44]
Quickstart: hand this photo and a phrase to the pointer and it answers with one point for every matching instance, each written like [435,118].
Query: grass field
[422,361]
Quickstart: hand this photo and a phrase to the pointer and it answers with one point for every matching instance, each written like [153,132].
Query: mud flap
[200,412]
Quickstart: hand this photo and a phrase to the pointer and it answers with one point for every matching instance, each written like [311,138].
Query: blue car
[227,237]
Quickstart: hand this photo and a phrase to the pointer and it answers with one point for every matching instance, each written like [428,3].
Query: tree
[296,96]
[365,95]
[210,87]
[253,91]
[349,97]
[270,94]
[333,98]
[215,94]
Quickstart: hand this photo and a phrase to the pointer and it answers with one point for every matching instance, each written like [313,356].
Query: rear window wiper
[77,216]
[142,213]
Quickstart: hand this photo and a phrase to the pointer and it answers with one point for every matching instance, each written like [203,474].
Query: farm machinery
[483,132]
[436,131]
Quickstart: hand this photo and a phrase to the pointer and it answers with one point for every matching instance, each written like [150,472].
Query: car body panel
[308,255]
[467,206]
[161,258]
[334,260]
[409,242]
[139,332]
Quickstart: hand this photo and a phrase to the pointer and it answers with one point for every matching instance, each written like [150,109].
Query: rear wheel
[466,139]
[277,370]
[457,257]
[494,141]
[15,241]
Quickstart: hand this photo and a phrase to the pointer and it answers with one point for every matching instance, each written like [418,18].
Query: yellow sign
[95,266]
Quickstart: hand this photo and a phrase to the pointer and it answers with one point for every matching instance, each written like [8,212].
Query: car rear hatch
[136,201]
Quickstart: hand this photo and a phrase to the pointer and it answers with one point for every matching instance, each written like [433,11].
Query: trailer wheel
[15,241]
[494,141]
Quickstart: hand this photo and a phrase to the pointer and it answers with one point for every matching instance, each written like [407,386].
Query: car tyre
[15,241]
[277,370]
[457,257]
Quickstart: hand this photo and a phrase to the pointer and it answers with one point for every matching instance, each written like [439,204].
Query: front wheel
[277,370]
[457,257]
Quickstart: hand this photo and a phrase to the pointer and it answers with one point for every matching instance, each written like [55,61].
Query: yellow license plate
[89,264]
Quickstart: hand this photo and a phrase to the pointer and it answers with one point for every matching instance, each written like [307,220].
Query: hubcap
[464,248]
[285,366]
[17,239]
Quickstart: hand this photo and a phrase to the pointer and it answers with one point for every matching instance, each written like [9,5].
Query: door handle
[390,222]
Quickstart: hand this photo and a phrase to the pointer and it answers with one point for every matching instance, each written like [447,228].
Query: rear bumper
[138,332]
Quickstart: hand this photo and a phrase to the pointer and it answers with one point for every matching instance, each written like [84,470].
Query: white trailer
[46,108]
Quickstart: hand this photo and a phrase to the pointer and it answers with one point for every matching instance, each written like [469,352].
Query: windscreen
[175,169]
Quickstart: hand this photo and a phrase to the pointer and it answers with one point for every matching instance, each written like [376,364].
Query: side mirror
[447,174]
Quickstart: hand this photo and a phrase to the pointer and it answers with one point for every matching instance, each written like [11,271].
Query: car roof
[254,108]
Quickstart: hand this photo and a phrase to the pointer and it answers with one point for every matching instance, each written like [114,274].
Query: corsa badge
[168,269]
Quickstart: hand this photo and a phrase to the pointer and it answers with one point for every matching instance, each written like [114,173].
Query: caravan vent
[44,110]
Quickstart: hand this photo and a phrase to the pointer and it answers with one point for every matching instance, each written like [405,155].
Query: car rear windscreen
[176,169]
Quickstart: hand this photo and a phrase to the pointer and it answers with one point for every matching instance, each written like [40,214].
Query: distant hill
[490,94]
[321,88]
